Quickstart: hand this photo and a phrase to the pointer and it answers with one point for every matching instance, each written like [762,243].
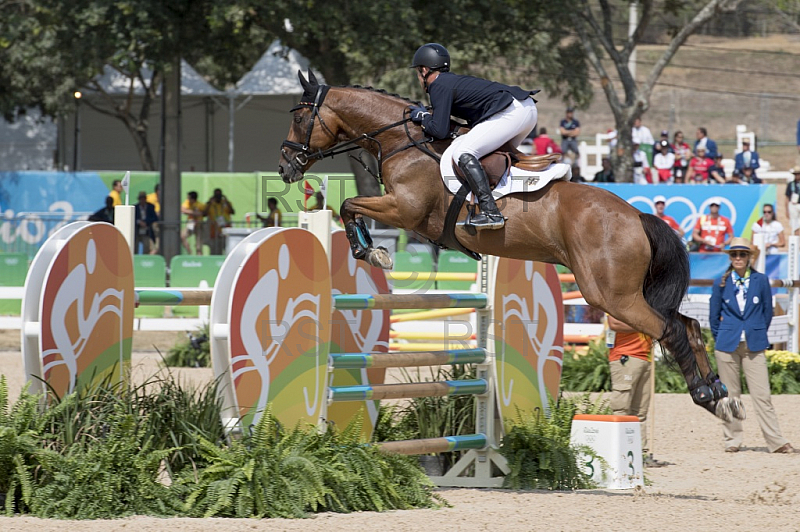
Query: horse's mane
[379,91]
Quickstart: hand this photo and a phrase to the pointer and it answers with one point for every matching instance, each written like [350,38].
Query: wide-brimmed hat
[795,170]
[740,244]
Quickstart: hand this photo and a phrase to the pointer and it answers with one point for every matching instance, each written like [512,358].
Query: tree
[372,43]
[596,32]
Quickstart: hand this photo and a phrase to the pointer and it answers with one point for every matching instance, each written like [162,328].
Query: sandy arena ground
[702,488]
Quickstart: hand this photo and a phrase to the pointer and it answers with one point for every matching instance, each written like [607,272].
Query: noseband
[305,153]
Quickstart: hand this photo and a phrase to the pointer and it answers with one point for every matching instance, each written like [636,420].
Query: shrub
[539,452]
[276,473]
[194,352]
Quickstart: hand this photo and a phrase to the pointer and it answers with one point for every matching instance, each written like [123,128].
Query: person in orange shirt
[629,359]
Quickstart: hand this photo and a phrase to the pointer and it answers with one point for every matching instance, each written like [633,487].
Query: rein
[305,153]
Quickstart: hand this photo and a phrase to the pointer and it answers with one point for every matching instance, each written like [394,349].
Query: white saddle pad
[517,180]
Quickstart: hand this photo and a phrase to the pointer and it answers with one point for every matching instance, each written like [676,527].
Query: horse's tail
[664,286]
[667,279]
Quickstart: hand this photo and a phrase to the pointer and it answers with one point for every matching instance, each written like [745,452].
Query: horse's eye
[298,118]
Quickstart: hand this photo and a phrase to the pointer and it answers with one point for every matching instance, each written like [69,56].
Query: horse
[627,263]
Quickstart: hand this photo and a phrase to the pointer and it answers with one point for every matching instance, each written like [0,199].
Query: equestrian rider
[496,114]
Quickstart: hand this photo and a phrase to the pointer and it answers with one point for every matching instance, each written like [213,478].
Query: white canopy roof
[273,74]
[115,82]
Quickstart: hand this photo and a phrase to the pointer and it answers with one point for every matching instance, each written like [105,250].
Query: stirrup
[483,221]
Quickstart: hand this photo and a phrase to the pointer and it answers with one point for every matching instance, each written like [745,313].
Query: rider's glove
[418,113]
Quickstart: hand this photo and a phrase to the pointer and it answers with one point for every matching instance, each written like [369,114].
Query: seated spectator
[707,143]
[746,176]
[716,173]
[698,167]
[606,175]
[576,174]
[683,154]
[664,138]
[664,162]
[641,166]
[772,230]
[747,158]
[106,214]
[544,144]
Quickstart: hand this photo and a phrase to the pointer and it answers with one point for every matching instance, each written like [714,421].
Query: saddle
[499,162]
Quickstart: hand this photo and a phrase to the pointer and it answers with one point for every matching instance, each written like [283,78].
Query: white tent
[114,82]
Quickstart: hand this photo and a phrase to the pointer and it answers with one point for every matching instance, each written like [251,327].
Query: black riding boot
[489,217]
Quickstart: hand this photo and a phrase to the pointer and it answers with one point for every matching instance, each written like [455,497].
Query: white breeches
[511,124]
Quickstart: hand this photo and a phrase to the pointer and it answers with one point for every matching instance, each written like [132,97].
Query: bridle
[305,153]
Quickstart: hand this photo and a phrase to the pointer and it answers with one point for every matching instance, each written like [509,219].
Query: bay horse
[629,264]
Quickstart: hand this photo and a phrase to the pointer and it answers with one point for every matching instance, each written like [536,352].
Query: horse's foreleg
[380,208]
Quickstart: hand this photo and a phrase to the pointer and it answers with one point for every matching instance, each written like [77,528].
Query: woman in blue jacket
[740,314]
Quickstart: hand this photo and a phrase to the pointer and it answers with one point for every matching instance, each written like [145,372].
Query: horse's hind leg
[719,391]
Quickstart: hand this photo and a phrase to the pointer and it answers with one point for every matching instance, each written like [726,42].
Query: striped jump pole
[408,301]
[407,360]
[173,297]
[408,390]
[436,445]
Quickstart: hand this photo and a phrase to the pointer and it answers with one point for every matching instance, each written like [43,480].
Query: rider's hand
[418,113]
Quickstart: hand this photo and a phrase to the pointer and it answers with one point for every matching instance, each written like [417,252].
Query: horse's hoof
[380,258]
[737,408]
[728,409]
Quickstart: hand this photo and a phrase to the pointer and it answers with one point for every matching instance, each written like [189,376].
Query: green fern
[279,473]
[539,451]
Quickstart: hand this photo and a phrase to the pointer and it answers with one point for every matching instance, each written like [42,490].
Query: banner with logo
[528,336]
[741,204]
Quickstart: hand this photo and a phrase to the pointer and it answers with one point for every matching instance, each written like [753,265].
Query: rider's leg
[490,216]
[513,123]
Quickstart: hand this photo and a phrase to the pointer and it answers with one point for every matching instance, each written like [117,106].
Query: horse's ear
[312,78]
[303,81]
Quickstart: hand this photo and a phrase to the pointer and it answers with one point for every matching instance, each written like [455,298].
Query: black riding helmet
[432,55]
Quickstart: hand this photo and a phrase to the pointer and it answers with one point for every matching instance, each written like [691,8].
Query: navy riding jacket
[466,97]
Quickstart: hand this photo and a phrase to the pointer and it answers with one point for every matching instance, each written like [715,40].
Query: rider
[495,112]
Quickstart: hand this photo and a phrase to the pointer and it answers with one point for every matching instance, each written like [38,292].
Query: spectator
[746,176]
[106,214]
[544,144]
[683,154]
[707,143]
[629,363]
[747,159]
[664,162]
[612,138]
[606,175]
[155,199]
[664,138]
[569,128]
[145,218]
[772,230]
[698,167]
[320,205]
[219,211]
[273,219]
[193,209]
[793,200]
[716,173]
[641,135]
[739,315]
[660,202]
[712,232]
[576,174]
[641,166]
[116,192]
